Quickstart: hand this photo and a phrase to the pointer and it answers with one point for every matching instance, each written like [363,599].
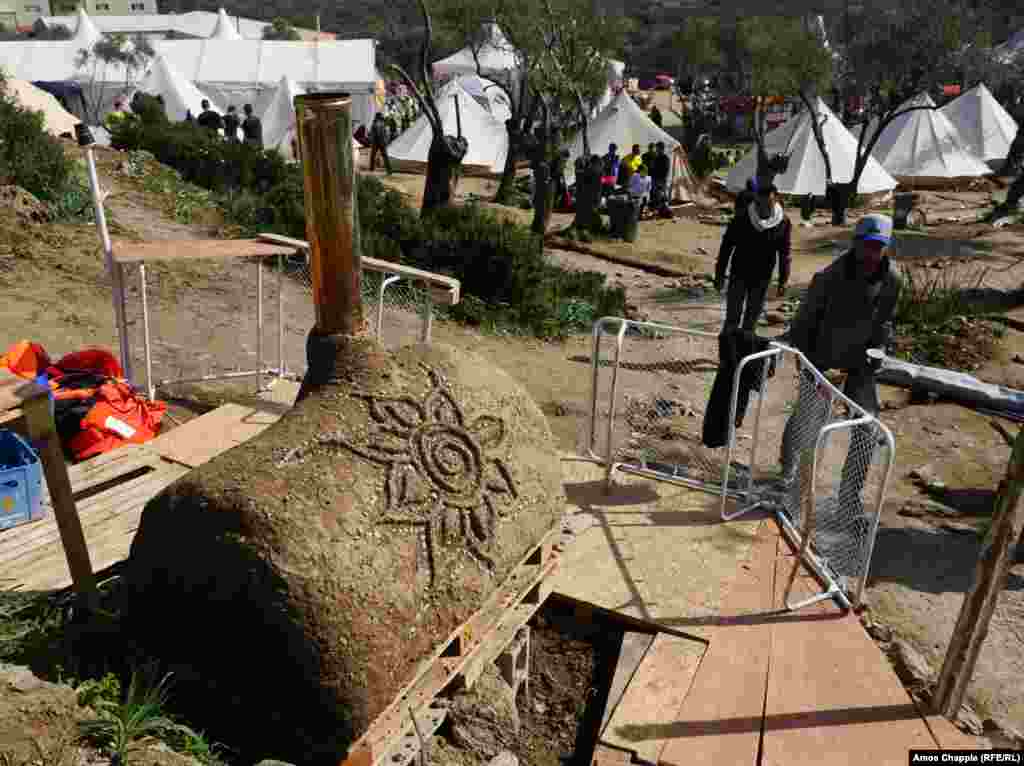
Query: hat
[876,226]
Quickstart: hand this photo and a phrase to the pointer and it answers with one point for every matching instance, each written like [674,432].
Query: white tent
[806,173]
[984,126]
[624,123]
[279,118]
[224,29]
[488,138]
[497,57]
[86,33]
[180,95]
[923,146]
[56,120]
[489,95]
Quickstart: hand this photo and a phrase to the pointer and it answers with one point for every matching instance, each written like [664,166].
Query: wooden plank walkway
[112,489]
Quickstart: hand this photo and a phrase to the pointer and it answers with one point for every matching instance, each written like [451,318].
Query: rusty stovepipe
[324,123]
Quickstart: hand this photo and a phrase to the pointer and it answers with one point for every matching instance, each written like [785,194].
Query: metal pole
[384,284]
[113,269]
[259,324]
[610,467]
[280,317]
[458,116]
[145,332]
[428,316]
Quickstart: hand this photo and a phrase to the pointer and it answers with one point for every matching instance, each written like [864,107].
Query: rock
[879,632]
[701,251]
[924,473]
[1018,359]
[18,678]
[484,719]
[911,667]
[26,208]
[311,541]
[540,708]
[504,758]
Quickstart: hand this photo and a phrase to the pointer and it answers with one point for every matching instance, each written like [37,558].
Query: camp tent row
[966,138]
[229,71]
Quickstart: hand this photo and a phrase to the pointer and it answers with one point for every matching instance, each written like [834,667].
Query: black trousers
[744,301]
[383,150]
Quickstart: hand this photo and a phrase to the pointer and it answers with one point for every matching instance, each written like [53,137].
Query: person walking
[252,128]
[754,240]
[845,313]
[656,115]
[231,125]
[379,138]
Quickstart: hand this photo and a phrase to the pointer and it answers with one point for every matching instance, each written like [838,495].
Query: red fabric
[119,417]
[96,360]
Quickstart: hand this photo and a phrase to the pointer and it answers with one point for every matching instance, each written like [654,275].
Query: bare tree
[446,152]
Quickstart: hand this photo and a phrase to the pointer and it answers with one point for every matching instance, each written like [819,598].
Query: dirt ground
[54,291]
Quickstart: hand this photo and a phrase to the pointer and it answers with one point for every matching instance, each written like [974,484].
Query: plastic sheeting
[806,173]
[957,386]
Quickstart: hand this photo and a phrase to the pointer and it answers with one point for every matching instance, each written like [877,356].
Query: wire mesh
[205,318]
[651,388]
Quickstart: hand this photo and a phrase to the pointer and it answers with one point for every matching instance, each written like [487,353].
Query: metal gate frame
[748,497]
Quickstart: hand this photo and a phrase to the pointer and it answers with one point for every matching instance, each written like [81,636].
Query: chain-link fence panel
[650,393]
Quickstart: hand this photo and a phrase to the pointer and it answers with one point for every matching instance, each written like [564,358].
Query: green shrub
[29,156]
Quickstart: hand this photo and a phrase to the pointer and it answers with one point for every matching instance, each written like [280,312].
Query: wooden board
[832,695]
[126,251]
[643,718]
[202,439]
[631,654]
[107,467]
[720,720]
[109,521]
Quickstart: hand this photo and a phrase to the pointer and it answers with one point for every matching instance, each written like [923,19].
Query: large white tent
[922,146]
[279,118]
[179,94]
[230,71]
[86,32]
[489,95]
[496,55]
[624,123]
[806,173]
[984,126]
[488,138]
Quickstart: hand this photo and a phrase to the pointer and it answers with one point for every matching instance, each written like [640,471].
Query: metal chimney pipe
[324,123]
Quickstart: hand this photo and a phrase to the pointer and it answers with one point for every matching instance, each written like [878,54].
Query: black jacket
[252,130]
[754,253]
[210,120]
[733,346]
[660,166]
[379,133]
[231,124]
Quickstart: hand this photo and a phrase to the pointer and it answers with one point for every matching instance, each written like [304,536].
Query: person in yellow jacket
[630,163]
[115,117]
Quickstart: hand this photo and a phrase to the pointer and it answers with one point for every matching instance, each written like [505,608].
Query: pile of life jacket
[95,409]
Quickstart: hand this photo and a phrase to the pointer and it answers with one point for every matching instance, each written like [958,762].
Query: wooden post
[990,575]
[42,432]
[332,220]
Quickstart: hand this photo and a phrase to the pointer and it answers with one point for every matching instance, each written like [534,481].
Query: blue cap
[876,226]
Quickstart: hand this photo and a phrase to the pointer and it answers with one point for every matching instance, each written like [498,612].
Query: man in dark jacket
[231,125]
[209,119]
[754,240]
[380,135]
[846,312]
[252,128]
[660,168]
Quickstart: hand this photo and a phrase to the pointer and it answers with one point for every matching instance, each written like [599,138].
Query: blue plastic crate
[21,481]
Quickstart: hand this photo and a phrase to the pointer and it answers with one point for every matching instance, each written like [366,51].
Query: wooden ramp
[112,489]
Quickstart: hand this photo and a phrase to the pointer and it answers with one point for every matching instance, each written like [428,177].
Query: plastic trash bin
[615,206]
[21,481]
[903,203]
[624,217]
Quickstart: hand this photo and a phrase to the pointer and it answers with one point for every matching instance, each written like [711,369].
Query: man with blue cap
[845,313]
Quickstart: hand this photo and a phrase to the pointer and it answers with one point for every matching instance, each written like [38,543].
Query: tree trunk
[443,160]
[1015,156]
[541,197]
[588,195]
[508,174]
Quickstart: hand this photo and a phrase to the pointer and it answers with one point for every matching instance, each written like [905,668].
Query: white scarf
[763,224]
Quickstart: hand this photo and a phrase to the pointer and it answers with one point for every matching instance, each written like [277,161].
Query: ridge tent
[496,55]
[224,29]
[86,33]
[180,95]
[923,147]
[624,123]
[488,138]
[806,173]
[984,126]
[279,118]
[489,96]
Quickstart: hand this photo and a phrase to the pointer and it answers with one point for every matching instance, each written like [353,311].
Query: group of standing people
[643,175]
[251,127]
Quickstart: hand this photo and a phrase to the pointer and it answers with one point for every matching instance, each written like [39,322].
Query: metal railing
[806,453]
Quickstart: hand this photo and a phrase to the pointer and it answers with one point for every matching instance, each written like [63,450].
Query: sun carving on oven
[441,474]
